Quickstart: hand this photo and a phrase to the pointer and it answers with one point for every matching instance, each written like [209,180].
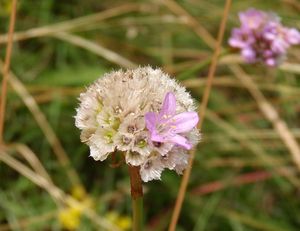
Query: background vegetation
[244,177]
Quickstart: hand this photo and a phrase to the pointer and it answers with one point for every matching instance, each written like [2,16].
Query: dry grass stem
[293,3]
[251,146]
[31,158]
[24,223]
[246,178]
[227,81]
[191,22]
[270,113]
[229,59]
[57,194]
[212,69]
[236,162]
[31,175]
[95,48]
[45,126]
[255,134]
[73,24]
[250,221]
[237,59]
[5,70]
[290,67]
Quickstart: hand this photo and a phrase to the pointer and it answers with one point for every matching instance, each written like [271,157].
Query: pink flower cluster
[262,38]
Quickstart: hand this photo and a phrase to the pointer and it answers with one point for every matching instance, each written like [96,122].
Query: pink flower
[262,38]
[167,126]
[252,18]
[293,36]
[241,38]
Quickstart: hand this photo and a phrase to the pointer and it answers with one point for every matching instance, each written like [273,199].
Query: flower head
[262,38]
[143,113]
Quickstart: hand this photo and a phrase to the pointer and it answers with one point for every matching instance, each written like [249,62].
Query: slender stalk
[212,69]
[137,207]
[137,197]
[6,67]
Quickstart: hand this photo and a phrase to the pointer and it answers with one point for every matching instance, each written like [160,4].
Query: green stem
[137,207]
[137,197]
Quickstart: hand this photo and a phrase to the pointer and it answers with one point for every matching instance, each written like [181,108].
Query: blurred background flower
[262,38]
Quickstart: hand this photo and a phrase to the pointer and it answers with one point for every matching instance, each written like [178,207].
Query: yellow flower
[123,222]
[78,192]
[70,218]
[112,216]
[71,215]
[5,7]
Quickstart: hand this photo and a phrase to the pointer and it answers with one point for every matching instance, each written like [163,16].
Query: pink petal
[169,105]
[249,54]
[151,120]
[293,36]
[271,62]
[185,121]
[181,141]
[157,137]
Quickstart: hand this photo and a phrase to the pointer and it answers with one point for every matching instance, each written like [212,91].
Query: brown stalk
[7,66]
[136,198]
[212,69]
[135,182]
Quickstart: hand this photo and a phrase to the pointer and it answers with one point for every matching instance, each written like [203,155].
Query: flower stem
[5,73]
[137,197]
[137,207]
